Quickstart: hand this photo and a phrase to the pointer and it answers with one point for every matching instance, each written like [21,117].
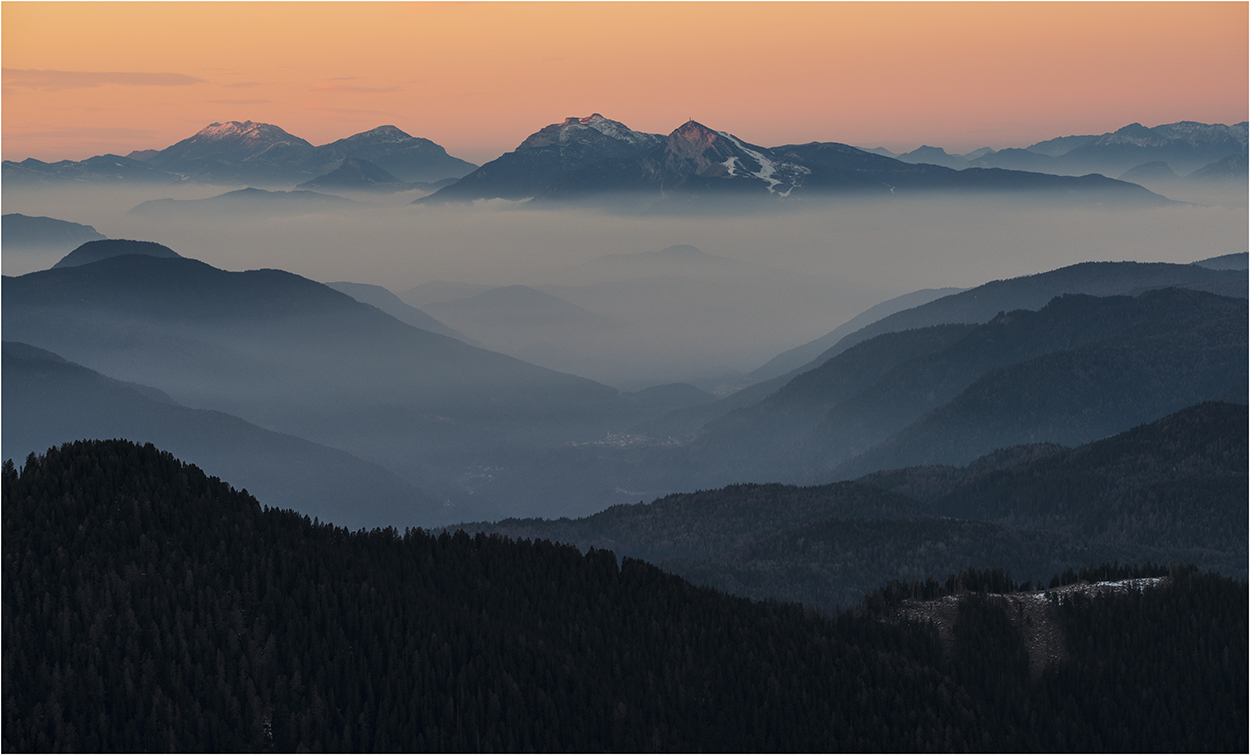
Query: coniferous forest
[147,606]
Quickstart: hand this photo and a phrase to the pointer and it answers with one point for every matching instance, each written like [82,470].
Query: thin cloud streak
[44,80]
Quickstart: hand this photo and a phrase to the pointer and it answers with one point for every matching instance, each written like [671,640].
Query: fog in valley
[601,301]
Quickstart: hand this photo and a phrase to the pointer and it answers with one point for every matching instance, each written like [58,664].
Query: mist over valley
[811,374]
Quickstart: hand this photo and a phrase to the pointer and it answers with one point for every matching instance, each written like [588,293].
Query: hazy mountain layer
[1173,489]
[246,152]
[1180,348]
[392,305]
[49,401]
[25,233]
[295,356]
[94,251]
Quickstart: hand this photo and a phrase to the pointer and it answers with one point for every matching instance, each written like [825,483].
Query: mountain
[1185,146]
[1236,261]
[249,201]
[94,251]
[587,159]
[934,156]
[1231,168]
[106,169]
[392,305]
[1172,489]
[799,356]
[1178,483]
[247,152]
[1127,361]
[1152,171]
[25,233]
[544,156]
[297,357]
[974,305]
[355,174]
[408,158]
[234,152]
[1078,369]
[49,401]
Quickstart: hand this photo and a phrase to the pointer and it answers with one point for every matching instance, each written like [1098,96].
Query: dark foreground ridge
[147,606]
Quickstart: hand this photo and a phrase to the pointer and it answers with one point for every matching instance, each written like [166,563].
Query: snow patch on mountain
[768,169]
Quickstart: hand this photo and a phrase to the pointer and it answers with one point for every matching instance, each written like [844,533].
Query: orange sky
[88,78]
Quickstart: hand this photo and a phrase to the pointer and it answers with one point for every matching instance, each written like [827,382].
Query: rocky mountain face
[585,159]
[545,156]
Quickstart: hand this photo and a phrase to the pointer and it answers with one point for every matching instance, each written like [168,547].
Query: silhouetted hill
[27,233]
[355,174]
[700,525]
[94,251]
[320,638]
[249,201]
[49,401]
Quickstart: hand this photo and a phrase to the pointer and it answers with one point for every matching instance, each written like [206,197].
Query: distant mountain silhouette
[355,174]
[247,152]
[1152,171]
[934,156]
[32,233]
[1236,261]
[408,158]
[49,401]
[799,356]
[249,201]
[101,169]
[1231,168]
[391,304]
[94,251]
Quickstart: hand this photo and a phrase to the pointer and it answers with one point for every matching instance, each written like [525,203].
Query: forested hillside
[1173,489]
[147,606]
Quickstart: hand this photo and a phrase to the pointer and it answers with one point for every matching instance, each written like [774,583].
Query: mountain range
[594,158]
[589,158]
[297,357]
[259,154]
[1174,488]
[1184,147]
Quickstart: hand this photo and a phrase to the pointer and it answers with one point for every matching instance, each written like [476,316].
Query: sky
[81,79]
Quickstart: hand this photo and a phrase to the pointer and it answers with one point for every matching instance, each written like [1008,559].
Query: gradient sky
[88,78]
